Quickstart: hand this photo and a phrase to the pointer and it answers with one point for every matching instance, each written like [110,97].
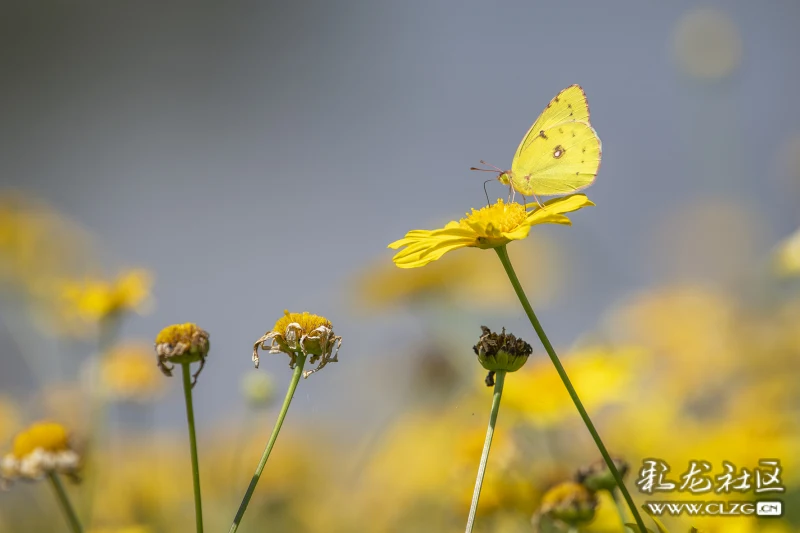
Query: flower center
[495,219]
[307,321]
[177,333]
[47,435]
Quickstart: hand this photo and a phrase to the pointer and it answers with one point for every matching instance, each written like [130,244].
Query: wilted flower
[501,351]
[568,502]
[489,227]
[301,334]
[41,449]
[179,344]
[596,476]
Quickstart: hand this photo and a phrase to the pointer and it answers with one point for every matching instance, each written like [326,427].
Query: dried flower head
[569,503]
[41,449]
[501,351]
[301,334]
[179,344]
[597,476]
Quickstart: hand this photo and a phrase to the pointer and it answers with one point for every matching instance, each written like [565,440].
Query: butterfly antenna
[500,170]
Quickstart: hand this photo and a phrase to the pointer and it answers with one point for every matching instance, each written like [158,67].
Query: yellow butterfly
[560,154]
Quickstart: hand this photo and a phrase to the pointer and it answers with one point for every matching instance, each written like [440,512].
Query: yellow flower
[9,418]
[301,334]
[462,279]
[95,299]
[128,373]
[124,529]
[38,245]
[488,227]
[41,449]
[182,344]
[568,502]
[603,376]
[787,256]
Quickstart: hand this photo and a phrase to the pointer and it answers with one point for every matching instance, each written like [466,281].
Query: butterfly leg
[537,200]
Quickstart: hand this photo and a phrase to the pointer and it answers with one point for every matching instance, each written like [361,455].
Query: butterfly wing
[561,159]
[568,106]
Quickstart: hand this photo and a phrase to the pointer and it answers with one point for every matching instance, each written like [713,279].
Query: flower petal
[556,206]
[423,252]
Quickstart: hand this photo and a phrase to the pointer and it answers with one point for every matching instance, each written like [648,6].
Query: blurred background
[220,163]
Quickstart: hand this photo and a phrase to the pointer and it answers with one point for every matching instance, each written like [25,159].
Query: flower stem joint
[182,344]
[301,335]
[501,351]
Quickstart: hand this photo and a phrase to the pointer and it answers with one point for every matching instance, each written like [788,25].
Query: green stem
[187,394]
[98,416]
[66,506]
[298,372]
[499,379]
[620,507]
[502,253]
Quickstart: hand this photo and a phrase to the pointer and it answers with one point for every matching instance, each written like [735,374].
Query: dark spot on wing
[560,130]
[542,135]
[558,152]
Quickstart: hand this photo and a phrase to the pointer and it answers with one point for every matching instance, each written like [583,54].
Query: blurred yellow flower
[603,376]
[42,448]
[123,529]
[689,329]
[92,300]
[38,244]
[707,44]
[488,227]
[128,373]
[9,418]
[569,503]
[462,279]
[787,256]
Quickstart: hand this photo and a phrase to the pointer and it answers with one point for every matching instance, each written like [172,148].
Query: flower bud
[597,476]
[570,503]
[501,351]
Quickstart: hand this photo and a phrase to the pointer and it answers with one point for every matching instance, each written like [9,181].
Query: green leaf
[661,527]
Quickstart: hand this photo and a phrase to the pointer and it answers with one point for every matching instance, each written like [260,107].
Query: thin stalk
[107,335]
[502,253]
[620,508]
[187,394]
[499,379]
[298,372]
[66,505]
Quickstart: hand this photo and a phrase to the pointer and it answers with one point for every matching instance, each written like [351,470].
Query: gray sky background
[256,155]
